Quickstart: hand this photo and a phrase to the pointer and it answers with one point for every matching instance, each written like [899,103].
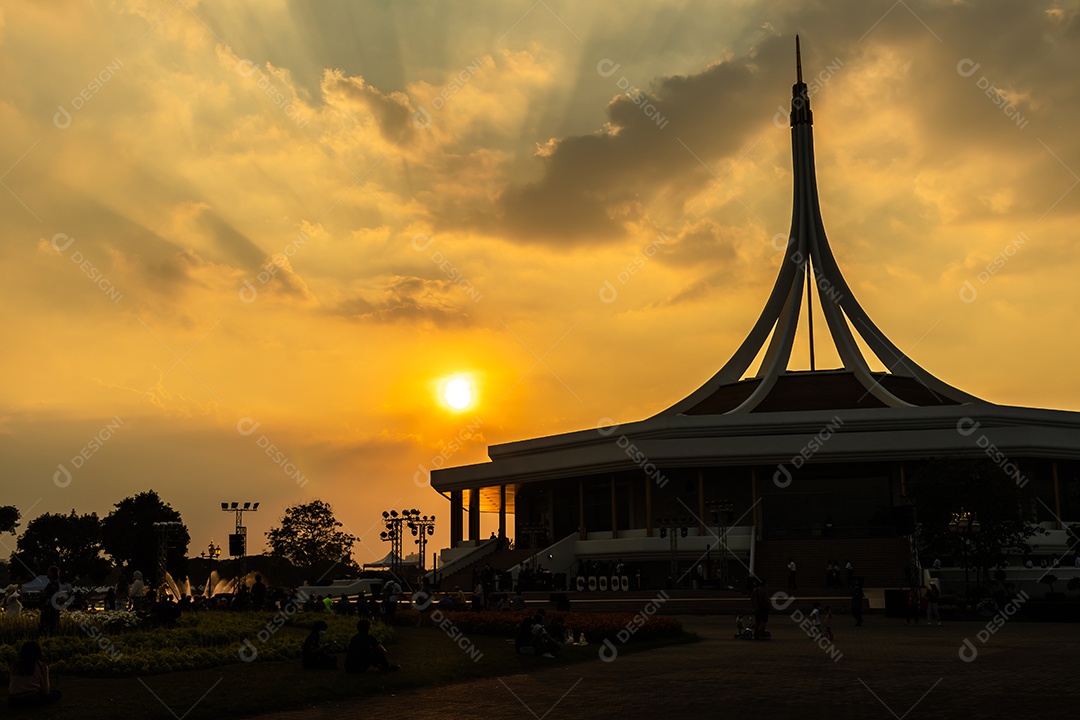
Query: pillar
[582,532]
[648,506]
[757,514]
[474,514]
[701,502]
[502,512]
[455,518]
[1057,494]
[614,512]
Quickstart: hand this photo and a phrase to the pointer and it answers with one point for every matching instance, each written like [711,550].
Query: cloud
[407,299]
[390,111]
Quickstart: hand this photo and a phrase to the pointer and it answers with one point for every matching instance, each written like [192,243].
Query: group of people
[832,574]
[536,637]
[364,650]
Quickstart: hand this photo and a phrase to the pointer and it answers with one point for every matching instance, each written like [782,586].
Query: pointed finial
[798,59]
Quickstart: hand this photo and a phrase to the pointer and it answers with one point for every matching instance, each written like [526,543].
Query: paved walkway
[881,670]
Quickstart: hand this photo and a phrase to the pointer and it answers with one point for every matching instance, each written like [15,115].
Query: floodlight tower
[238,540]
[421,527]
[392,535]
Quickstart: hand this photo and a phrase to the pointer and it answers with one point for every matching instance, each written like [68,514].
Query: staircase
[500,560]
[880,562]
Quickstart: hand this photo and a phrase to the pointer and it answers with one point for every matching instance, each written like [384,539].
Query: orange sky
[304,215]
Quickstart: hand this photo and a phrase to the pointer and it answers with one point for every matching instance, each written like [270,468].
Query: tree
[130,539]
[944,487]
[71,542]
[9,518]
[308,537]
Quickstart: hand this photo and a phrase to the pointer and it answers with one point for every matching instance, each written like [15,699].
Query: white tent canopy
[388,561]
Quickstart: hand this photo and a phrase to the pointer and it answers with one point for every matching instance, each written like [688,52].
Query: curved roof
[818,390]
[809,263]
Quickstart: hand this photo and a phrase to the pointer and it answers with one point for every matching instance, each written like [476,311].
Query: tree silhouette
[9,518]
[130,539]
[309,538]
[71,542]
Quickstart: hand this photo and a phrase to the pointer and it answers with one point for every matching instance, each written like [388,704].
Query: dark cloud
[409,299]
[669,140]
[391,111]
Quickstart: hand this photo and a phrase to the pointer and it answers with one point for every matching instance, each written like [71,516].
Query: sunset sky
[234,225]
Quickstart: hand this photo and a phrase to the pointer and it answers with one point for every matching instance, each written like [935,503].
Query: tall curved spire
[809,259]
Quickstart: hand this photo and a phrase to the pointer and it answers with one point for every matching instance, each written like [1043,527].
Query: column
[582,532]
[757,514]
[455,518]
[648,506]
[1057,494]
[701,501]
[614,512]
[474,514]
[502,513]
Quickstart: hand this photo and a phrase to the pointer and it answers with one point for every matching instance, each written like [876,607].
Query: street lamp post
[210,554]
[965,525]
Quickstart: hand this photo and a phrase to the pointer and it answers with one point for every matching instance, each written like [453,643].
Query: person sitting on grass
[365,651]
[523,641]
[315,655]
[543,644]
[518,601]
[29,683]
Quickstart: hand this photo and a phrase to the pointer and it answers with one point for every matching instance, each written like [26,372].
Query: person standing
[850,574]
[122,593]
[759,601]
[51,602]
[12,605]
[137,591]
[258,593]
[912,606]
[815,621]
[792,585]
[826,622]
[933,596]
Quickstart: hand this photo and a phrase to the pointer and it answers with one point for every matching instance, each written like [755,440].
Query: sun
[458,392]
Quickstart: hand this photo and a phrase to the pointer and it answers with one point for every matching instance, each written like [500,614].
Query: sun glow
[457,392]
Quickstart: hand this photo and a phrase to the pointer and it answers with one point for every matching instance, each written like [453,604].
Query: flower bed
[118,643]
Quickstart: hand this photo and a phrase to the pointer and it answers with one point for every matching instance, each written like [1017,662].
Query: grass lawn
[428,657]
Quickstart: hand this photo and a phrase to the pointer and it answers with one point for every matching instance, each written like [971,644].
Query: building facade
[761,465]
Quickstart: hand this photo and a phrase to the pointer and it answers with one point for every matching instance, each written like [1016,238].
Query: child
[827,622]
[815,619]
